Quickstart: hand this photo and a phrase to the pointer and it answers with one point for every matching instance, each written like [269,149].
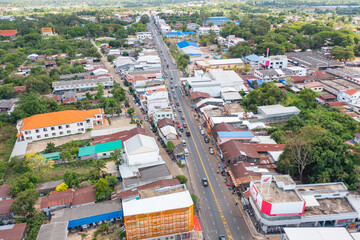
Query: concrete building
[283,203]
[123,63]
[225,64]
[317,233]
[165,213]
[53,231]
[160,113]
[189,48]
[143,35]
[213,81]
[351,96]
[276,113]
[297,71]
[221,21]
[7,105]
[273,62]
[47,32]
[206,30]
[315,86]
[82,85]
[153,99]
[57,124]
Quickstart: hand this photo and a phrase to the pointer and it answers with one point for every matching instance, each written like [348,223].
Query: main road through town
[218,211]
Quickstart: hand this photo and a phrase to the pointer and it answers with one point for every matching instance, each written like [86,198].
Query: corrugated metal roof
[51,156]
[98,148]
[235,134]
[184,44]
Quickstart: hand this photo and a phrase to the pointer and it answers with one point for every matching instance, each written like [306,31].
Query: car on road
[202,132]
[188,134]
[175,86]
[184,125]
[182,117]
[179,109]
[211,151]
[173,90]
[183,143]
[177,104]
[181,129]
[206,139]
[222,237]
[204,182]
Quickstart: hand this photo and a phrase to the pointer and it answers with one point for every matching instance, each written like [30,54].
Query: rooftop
[48,185]
[5,206]
[12,232]
[123,136]
[165,121]
[184,44]
[330,206]
[140,144]
[58,118]
[245,172]
[317,233]
[276,194]
[272,110]
[155,204]
[53,231]
[4,191]
[99,148]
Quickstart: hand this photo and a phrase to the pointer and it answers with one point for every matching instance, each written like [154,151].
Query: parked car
[186,152]
[183,143]
[206,139]
[202,132]
[181,129]
[222,237]
[211,151]
[184,125]
[204,182]
[177,104]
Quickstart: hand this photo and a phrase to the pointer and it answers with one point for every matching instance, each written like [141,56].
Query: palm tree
[139,123]
[98,166]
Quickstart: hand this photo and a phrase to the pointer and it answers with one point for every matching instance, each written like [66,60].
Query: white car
[186,151]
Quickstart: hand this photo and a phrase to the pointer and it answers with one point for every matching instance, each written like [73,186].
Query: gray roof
[145,71]
[85,81]
[71,76]
[228,96]
[69,214]
[48,186]
[53,231]
[278,110]
[69,94]
[7,103]
[149,174]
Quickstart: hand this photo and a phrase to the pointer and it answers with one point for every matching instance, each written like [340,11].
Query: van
[186,151]
[202,132]
[184,143]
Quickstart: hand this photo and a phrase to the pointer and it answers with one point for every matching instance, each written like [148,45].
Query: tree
[24,202]
[307,95]
[99,91]
[88,96]
[112,180]
[139,123]
[38,164]
[145,19]
[50,147]
[182,179]
[62,187]
[66,155]
[194,198]
[72,179]
[30,104]
[342,53]
[118,156]
[110,58]
[98,166]
[102,190]
[26,181]
[170,146]
[131,111]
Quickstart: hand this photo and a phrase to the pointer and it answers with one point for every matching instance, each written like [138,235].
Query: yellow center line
[223,219]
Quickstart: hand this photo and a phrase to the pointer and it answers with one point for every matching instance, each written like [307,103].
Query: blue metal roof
[178,33]
[93,219]
[252,58]
[184,44]
[218,18]
[235,134]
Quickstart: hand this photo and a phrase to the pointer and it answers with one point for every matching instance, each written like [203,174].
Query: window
[60,127]
[45,129]
[46,135]
[68,131]
[67,126]
[54,134]
[80,124]
[104,154]
[52,128]
[37,131]
[61,133]
[38,136]
[87,121]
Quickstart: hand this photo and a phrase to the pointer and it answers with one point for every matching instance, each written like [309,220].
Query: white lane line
[242,237]
[213,223]
[234,220]
[227,204]
[238,228]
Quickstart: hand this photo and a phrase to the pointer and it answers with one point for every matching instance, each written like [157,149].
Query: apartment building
[278,61]
[58,124]
[163,213]
[143,35]
[206,30]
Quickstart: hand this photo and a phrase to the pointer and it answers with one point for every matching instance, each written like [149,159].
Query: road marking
[242,236]
[223,219]
[238,228]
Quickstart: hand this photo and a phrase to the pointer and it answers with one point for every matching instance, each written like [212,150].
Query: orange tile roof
[160,89]
[8,32]
[352,91]
[46,30]
[58,118]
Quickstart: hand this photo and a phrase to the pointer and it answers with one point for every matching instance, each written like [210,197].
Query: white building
[114,52]
[213,81]
[276,113]
[159,99]
[278,61]
[123,63]
[143,35]
[160,113]
[100,71]
[351,96]
[233,41]
[280,202]
[189,48]
[82,85]
[32,57]
[268,75]
[58,124]
[141,149]
[206,30]
[297,71]
[168,133]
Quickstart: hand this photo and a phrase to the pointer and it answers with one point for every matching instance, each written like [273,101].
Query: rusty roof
[12,232]
[164,121]
[195,95]
[123,136]
[224,127]
[5,206]
[240,175]
[83,195]
[57,198]
[4,191]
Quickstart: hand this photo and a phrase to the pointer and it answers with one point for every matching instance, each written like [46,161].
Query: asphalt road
[217,210]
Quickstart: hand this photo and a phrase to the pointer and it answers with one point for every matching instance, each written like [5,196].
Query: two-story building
[351,96]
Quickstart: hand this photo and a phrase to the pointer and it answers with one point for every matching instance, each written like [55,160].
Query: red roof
[240,175]
[123,136]
[224,127]
[20,89]
[5,33]
[165,121]
[70,100]
[5,206]
[4,191]
[96,76]
[52,62]
[352,114]
[13,232]
[357,135]
[196,95]
[140,78]
[327,96]
[57,98]
[83,196]
[351,91]
[335,104]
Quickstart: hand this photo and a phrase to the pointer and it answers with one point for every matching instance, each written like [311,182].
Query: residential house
[252,59]
[7,105]
[13,231]
[315,86]
[207,30]
[269,75]
[69,198]
[32,57]
[297,71]
[160,113]
[47,187]
[197,96]
[242,173]
[6,216]
[8,33]
[4,192]
[99,151]
[47,32]
[225,64]
[168,133]
[122,135]
[55,124]
[273,62]
[143,35]
[158,98]
[20,89]
[50,64]
[351,96]
[325,98]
